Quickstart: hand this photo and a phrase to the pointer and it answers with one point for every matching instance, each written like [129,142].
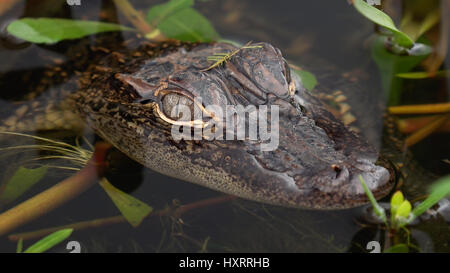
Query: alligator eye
[172,107]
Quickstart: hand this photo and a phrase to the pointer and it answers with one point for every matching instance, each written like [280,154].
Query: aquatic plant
[175,19]
[45,243]
[401,211]
[78,158]
[397,51]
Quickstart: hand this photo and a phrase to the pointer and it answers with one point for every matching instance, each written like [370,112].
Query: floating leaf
[399,248]
[21,181]
[380,18]
[439,190]
[131,208]
[49,241]
[162,11]
[308,79]
[188,25]
[423,75]
[52,30]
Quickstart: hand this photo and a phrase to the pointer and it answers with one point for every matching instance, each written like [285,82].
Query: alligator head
[313,161]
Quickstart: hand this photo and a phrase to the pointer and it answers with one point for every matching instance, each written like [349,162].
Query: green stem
[138,21]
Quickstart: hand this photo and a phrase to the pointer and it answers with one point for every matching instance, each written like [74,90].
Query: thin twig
[223,57]
[120,219]
[426,131]
[136,18]
[410,125]
[6,5]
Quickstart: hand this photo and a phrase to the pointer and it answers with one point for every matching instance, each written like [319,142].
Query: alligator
[127,90]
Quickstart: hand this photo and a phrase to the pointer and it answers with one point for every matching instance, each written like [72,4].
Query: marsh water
[328,38]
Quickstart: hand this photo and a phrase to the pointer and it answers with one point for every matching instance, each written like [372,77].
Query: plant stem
[420,108]
[57,195]
[427,130]
[410,125]
[76,226]
[120,219]
[6,5]
[137,20]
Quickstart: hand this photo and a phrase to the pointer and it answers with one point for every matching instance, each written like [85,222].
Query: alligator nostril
[337,169]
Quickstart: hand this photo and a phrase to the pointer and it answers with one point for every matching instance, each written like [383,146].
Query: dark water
[316,35]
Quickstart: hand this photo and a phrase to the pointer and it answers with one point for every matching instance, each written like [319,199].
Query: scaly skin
[127,96]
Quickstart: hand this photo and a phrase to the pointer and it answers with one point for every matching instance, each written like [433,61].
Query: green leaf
[389,65]
[398,248]
[380,18]
[396,200]
[379,211]
[160,12]
[21,181]
[131,208]
[19,246]
[423,75]
[188,25]
[52,30]
[308,79]
[49,241]
[404,209]
[439,190]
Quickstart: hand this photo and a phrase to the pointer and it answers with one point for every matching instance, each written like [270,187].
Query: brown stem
[420,108]
[427,130]
[6,5]
[76,226]
[439,40]
[57,195]
[410,125]
[119,219]
[138,21]
[205,203]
